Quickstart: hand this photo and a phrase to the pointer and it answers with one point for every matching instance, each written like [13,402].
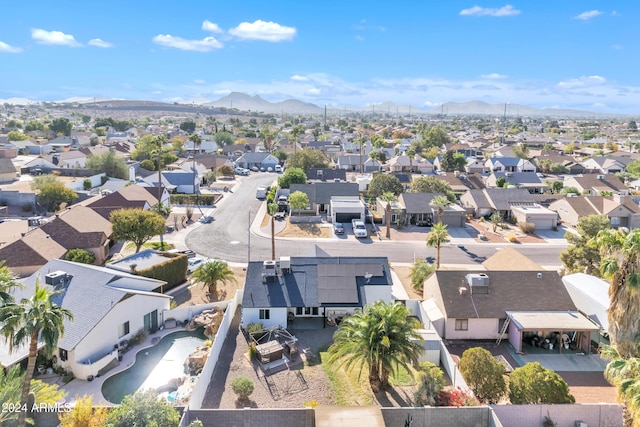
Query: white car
[194,263]
[278,169]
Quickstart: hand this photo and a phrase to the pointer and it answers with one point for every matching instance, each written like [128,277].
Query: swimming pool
[154,366]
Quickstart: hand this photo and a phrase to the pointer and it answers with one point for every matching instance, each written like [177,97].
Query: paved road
[228,235]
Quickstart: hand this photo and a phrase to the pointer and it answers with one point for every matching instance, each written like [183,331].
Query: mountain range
[245,102]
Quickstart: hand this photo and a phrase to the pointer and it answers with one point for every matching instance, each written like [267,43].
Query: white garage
[543,218]
[346,208]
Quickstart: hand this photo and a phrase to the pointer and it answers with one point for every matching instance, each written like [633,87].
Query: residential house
[371,165]
[402,163]
[416,209]
[211,163]
[521,306]
[237,150]
[108,308]
[206,146]
[8,150]
[605,164]
[527,180]
[548,158]
[326,175]
[80,227]
[474,165]
[276,293]
[486,201]
[8,172]
[465,149]
[595,185]
[622,211]
[176,181]
[130,197]
[542,218]
[350,162]
[320,193]
[72,159]
[257,160]
[33,250]
[508,164]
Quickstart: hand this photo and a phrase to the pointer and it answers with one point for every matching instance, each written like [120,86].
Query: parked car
[269,169]
[255,169]
[278,169]
[241,171]
[359,229]
[338,228]
[188,252]
[207,219]
[194,263]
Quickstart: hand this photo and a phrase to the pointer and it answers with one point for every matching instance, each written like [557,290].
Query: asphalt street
[228,237]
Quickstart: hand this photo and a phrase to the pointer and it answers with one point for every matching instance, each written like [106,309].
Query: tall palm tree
[388,197]
[7,283]
[296,131]
[381,338]
[411,153]
[211,272]
[436,238]
[625,375]
[197,141]
[272,209]
[268,135]
[33,319]
[620,251]
[440,202]
[361,140]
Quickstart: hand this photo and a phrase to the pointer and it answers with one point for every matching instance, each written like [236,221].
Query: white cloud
[493,76]
[199,81]
[53,38]
[581,82]
[261,30]
[100,43]
[205,45]
[298,78]
[4,47]
[589,14]
[211,27]
[313,91]
[359,38]
[506,10]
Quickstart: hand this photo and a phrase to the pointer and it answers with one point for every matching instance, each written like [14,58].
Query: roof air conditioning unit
[284,263]
[600,177]
[56,278]
[268,271]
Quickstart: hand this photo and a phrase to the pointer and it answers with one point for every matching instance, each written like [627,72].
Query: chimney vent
[539,275]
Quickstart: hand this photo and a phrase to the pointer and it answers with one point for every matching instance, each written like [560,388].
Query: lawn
[351,387]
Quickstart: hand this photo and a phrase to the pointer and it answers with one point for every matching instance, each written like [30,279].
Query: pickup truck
[359,229]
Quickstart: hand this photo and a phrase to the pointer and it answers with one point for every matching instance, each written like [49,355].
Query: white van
[261,193]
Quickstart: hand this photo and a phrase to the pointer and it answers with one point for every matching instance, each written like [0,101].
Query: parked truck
[359,229]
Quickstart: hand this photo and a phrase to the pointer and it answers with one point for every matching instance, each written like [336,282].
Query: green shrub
[243,387]
[80,255]
[68,377]
[527,227]
[190,199]
[86,184]
[254,327]
[27,208]
[138,337]
[173,270]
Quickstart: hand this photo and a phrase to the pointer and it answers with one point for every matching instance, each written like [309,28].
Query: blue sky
[563,54]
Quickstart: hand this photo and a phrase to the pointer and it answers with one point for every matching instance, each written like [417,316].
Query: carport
[346,208]
[550,325]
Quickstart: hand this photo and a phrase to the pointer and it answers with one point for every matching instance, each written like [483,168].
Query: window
[298,311]
[314,311]
[63,354]
[462,324]
[123,329]
[307,310]
[615,220]
[264,314]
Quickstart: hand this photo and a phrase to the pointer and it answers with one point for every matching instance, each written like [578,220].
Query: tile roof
[35,248]
[86,294]
[321,192]
[508,291]
[507,259]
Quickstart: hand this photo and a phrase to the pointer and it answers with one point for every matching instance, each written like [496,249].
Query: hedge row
[190,199]
[173,270]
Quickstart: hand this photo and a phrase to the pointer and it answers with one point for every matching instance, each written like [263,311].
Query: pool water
[154,366]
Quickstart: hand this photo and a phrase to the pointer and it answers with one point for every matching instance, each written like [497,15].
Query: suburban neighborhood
[230,272]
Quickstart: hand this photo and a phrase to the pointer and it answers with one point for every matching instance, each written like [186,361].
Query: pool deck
[79,388]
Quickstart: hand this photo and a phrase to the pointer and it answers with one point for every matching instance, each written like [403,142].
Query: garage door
[542,224]
[347,216]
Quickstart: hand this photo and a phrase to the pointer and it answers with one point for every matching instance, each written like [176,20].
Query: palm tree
[361,140]
[620,251]
[272,209]
[436,237]
[440,202]
[388,197]
[296,131]
[197,141]
[381,338]
[7,283]
[211,272]
[267,136]
[625,375]
[34,319]
[411,153]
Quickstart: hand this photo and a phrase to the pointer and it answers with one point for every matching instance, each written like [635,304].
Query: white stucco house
[278,292]
[108,308]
